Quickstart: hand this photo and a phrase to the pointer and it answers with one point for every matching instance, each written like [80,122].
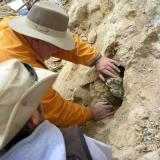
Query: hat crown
[20,95]
[16,80]
[49,15]
[46,21]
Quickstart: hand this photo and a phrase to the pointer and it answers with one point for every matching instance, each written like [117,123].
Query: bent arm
[57,110]
[82,54]
[63,112]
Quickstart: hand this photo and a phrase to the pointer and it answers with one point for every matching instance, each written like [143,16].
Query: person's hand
[101,110]
[107,66]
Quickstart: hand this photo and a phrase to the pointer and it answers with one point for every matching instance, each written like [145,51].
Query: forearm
[82,54]
[62,112]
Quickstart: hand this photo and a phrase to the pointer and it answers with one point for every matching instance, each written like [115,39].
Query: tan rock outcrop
[128,31]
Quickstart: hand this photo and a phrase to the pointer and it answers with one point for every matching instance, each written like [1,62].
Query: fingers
[104,115]
[101,110]
[105,106]
[100,104]
[109,107]
[104,103]
[114,67]
[109,114]
[101,77]
[114,62]
[111,70]
[108,67]
[109,73]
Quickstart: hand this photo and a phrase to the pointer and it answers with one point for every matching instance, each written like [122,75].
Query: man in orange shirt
[41,34]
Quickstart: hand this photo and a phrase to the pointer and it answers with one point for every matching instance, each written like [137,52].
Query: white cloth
[98,150]
[45,143]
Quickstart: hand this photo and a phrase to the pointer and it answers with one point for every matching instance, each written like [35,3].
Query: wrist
[95,60]
[90,113]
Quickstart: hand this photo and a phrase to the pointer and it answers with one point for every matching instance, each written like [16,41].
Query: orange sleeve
[63,112]
[13,45]
[82,54]
[56,109]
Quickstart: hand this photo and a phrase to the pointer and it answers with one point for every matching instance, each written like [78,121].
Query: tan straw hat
[20,95]
[46,21]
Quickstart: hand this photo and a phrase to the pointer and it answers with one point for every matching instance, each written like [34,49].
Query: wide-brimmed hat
[20,95]
[46,21]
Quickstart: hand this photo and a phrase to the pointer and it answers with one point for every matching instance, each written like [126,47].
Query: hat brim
[27,104]
[20,25]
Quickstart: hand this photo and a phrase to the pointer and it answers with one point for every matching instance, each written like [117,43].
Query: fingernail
[102,78]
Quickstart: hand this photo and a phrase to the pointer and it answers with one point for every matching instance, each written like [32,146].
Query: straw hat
[20,95]
[46,21]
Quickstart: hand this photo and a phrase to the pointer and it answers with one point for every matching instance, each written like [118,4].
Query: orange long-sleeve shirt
[56,109]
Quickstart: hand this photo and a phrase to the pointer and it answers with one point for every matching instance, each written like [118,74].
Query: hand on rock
[107,66]
[101,110]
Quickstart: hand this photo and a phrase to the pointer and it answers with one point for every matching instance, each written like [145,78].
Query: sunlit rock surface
[128,31]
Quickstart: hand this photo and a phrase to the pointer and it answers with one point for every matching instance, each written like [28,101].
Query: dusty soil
[128,31]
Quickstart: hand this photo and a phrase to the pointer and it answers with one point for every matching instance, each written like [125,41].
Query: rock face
[128,31]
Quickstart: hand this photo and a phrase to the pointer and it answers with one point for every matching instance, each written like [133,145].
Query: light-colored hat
[46,21]
[20,95]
